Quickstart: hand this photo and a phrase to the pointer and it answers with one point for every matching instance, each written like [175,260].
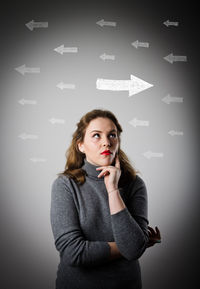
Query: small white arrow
[150,154]
[107,57]
[63,85]
[61,49]
[168,99]
[32,24]
[136,122]
[137,44]
[37,160]
[175,58]
[106,23]
[170,23]
[23,69]
[27,101]
[56,120]
[26,136]
[134,85]
[173,132]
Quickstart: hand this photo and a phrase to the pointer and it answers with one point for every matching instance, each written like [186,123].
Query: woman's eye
[113,134]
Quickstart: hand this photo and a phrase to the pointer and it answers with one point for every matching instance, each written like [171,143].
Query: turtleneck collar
[91,170]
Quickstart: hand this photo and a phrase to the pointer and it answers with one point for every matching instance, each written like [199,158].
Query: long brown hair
[75,158]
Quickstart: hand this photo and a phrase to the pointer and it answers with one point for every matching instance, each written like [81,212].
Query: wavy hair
[75,158]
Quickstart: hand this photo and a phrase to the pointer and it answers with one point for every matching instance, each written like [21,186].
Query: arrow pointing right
[134,85]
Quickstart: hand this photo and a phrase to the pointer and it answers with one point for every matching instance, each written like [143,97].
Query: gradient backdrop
[29,165]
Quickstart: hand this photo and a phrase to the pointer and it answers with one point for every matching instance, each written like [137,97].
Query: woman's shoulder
[137,184]
[62,182]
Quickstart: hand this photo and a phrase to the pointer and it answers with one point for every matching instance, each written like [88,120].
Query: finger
[158,232]
[117,162]
[103,173]
[151,229]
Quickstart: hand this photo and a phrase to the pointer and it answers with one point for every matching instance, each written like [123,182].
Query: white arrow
[170,23]
[61,49]
[135,85]
[106,23]
[26,136]
[175,58]
[151,154]
[107,57]
[36,160]
[168,99]
[63,85]
[32,24]
[26,101]
[137,44]
[56,120]
[23,69]
[173,132]
[136,122]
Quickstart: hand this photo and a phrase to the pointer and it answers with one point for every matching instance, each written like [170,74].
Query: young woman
[99,210]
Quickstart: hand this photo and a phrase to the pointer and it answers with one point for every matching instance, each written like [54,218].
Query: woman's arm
[69,240]
[114,251]
[130,224]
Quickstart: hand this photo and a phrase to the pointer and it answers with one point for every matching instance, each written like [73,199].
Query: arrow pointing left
[32,24]
[23,69]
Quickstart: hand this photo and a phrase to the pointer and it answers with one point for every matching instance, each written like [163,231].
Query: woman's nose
[106,141]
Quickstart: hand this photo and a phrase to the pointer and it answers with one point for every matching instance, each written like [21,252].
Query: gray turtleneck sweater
[82,226]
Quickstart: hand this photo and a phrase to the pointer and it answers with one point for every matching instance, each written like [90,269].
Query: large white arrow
[134,85]
[32,24]
[23,69]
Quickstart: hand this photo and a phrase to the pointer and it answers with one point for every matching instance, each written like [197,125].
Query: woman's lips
[106,153]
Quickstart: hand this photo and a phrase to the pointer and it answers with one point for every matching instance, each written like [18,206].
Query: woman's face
[100,135]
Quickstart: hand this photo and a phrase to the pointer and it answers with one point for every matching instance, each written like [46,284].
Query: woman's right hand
[154,236]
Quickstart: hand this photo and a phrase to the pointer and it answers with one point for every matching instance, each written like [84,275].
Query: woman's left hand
[154,236]
[111,174]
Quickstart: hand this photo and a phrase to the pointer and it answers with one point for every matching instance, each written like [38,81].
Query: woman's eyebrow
[101,131]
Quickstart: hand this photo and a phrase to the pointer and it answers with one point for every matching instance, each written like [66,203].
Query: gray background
[28,256]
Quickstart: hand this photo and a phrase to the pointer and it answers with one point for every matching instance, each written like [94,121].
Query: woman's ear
[80,147]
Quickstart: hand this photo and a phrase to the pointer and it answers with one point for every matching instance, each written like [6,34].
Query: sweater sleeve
[130,225]
[69,240]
